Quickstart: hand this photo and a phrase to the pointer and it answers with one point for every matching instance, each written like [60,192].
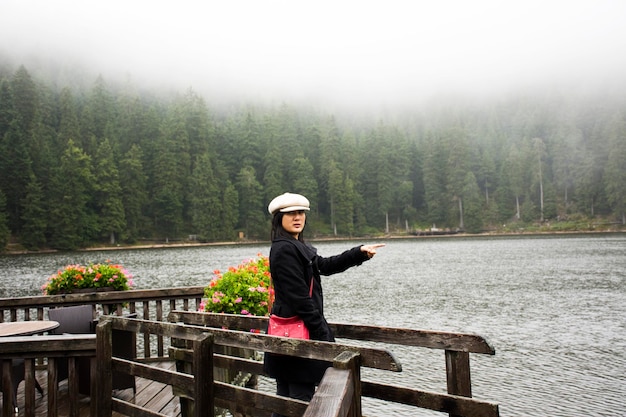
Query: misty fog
[352,54]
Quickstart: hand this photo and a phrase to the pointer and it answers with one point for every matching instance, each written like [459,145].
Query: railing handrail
[100,297]
[12,347]
[462,342]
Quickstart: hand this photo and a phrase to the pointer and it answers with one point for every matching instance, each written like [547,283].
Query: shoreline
[156,245]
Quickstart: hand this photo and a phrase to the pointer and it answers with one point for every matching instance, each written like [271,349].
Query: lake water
[553,307]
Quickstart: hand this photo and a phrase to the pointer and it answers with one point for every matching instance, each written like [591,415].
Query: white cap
[288,202]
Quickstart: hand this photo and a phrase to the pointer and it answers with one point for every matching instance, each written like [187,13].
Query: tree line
[80,167]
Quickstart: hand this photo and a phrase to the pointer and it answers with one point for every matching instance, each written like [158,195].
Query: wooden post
[53,387]
[101,404]
[72,386]
[351,361]
[458,374]
[7,389]
[29,387]
[203,376]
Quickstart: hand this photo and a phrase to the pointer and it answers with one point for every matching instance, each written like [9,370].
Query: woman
[296,268]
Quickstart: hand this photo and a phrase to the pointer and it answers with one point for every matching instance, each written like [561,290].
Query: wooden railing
[200,392]
[456,347]
[30,348]
[147,304]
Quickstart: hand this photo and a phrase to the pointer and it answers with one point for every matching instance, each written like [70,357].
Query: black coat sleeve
[339,263]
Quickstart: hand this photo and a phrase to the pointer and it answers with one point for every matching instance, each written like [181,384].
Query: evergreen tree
[251,205]
[7,111]
[345,207]
[539,150]
[304,181]
[566,156]
[274,180]
[25,100]
[97,115]
[5,233]
[69,126]
[16,171]
[336,195]
[170,176]
[329,159]
[615,179]
[33,235]
[73,222]
[134,196]
[109,205]
[473,205]
[513,171]
[457,169]
[205,200]
[230,210]
[435,181]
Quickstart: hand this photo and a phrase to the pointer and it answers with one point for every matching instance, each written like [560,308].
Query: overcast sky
[354,51]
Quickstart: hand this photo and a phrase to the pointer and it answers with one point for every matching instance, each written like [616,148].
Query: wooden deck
[152,395]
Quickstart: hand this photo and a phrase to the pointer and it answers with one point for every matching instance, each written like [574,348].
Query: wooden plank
[29,387]
[111,297]
[153,373]
[463,342]
[202,369]
[161,396]
[458,373]
[333,397]
[7,388]
[468,407]
[133,410]
[102,405]
[57,345]
[351,362]
[242,400]
[52,387]
[312,349]
[221,361]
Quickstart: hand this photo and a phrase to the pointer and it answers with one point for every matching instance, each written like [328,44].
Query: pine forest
[110,164]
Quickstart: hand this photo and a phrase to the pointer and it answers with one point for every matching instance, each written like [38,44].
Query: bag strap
[271,297]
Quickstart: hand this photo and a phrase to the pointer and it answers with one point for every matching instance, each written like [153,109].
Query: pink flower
[245,312]
[238,300]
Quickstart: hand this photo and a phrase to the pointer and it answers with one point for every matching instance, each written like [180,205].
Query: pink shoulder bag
[289,326]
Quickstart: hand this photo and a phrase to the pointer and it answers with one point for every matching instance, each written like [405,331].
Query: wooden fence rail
[457,402]
[152,304]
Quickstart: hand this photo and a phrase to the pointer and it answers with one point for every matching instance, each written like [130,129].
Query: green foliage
[33,236]
[4,227]
[85,166]
[109,201]
[244,289]
[73,220]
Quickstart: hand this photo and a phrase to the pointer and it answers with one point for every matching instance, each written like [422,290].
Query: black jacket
[293,265]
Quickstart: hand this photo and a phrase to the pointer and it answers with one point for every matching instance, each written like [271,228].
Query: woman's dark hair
[278,230]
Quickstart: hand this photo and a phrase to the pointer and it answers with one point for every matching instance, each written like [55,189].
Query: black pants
[299,391]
